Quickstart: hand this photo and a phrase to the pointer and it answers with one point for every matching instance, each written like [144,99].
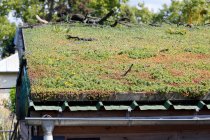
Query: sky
[154,5]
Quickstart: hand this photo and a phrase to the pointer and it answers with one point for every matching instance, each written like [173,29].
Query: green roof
[105,60]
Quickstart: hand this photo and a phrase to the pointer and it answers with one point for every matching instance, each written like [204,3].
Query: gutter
[48,123]
[122,121]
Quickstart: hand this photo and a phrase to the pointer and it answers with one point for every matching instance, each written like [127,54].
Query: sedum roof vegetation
[138,59]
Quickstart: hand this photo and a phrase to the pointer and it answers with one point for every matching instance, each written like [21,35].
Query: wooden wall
[175,132]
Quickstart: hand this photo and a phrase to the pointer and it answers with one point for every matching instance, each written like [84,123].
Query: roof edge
[116,97]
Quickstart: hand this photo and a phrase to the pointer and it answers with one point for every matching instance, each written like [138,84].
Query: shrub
[176,31]
[12,99]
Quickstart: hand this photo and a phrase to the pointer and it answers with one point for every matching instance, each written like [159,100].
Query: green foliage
[176,31]
[174,12]
[77,6]
[140,53]
[144,13]
[26,10]
[187,11]
[161,15]
[7,32]
[198,50]
[12,99]
[128,12]
[140,14]
[102,7]
[96,55]
[56,10]
[195,12]
[73,66]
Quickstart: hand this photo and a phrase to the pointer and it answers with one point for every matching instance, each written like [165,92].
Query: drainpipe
[47,127]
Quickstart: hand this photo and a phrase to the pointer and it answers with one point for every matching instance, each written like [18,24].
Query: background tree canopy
[195,12]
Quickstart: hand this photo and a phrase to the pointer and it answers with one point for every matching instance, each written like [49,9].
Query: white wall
[7,80]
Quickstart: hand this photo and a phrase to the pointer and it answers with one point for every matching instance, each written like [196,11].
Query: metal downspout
[48,127]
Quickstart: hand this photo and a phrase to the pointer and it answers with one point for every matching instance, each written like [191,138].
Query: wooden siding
[175,132]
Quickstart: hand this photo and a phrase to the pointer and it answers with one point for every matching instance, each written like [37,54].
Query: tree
[7,31]
[175,12]
[53,10]
[162,15]
[144,13]
[101,7]
[195,11]
[27,10]
[128,12]
[80,6]
[186,11]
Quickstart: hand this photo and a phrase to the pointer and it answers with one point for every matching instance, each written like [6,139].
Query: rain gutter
[122,121]
[48,123]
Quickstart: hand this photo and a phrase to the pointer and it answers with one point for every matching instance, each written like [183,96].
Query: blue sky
[154,5]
